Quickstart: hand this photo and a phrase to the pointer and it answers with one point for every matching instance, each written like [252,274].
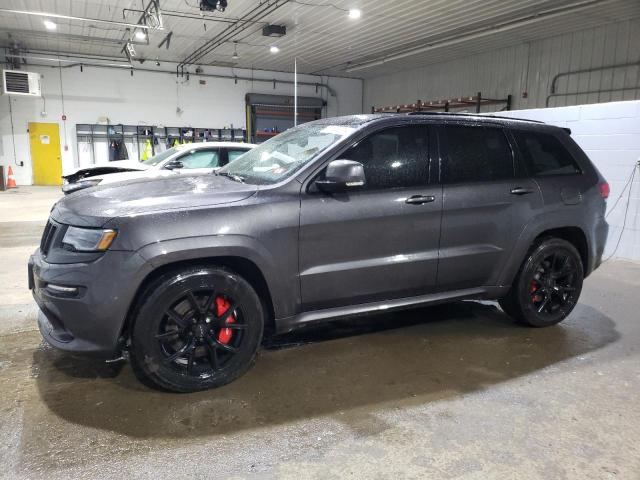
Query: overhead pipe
[191,16]
[121,66]
[258,13]
[589,70]
[591,92]
[454,40]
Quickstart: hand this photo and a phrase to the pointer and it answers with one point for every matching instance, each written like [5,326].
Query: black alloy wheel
[196,329]
[548,285]
[553,284]
[200,332]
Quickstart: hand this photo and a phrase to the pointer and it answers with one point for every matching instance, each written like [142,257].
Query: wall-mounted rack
[473,101]
[97,140]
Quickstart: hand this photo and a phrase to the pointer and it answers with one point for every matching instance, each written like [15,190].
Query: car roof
[215,144]
[439,117]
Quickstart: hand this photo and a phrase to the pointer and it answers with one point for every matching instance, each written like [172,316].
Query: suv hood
[94,206]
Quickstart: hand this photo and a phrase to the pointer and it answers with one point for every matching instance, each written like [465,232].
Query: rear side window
[545,155]
[393,158]
[476,154]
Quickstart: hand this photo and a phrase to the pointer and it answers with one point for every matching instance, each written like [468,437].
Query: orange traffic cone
[11,182]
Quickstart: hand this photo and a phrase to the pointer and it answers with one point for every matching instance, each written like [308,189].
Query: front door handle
[420,199]
[521,191]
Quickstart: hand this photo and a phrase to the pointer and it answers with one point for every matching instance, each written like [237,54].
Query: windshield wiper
[232,176]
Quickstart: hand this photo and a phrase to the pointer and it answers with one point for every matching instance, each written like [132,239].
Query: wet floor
[455,391]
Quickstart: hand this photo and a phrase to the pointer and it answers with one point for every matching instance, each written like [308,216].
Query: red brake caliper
[225,333]
[533,288]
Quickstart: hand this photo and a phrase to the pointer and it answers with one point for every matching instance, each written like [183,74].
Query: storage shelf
[475,101]
[140,134]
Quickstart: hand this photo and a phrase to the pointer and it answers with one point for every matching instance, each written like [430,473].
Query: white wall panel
[145,99]
[527,67]
[610,135]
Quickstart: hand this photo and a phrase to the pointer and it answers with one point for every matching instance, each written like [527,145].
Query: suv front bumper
[89,320]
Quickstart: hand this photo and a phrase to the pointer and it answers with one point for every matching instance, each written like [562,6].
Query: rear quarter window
[544,154]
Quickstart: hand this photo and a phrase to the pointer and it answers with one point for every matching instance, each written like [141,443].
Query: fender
[539,224]
[285,293]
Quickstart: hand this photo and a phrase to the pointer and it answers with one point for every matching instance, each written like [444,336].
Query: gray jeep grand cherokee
[336,217]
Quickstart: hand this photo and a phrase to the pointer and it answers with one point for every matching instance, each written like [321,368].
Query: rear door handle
[521,191]
[420,199]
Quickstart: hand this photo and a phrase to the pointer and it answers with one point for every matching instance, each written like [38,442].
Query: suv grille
[47,237]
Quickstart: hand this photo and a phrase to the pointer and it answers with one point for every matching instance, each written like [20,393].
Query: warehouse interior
[442,391]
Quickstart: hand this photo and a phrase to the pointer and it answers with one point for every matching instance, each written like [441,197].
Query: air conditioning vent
[15,82]
[274,30]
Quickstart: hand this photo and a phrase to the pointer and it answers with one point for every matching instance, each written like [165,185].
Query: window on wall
[476,154]
[393,158]
[545,155]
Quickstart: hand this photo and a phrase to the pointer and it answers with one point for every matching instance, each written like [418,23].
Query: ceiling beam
[80,19]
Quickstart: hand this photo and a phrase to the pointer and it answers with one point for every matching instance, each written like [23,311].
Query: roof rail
[455,114]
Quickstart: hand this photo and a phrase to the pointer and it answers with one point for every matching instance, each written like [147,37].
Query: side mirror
[173,165]
[342,175]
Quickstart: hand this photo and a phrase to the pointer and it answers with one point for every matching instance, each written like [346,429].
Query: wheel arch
[575,236]
[240,265]
[530,236]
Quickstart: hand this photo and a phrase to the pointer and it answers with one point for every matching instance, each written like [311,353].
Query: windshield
[283,155]
[156,159]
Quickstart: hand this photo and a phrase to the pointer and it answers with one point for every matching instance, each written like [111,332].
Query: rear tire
[196,328]
[548,285]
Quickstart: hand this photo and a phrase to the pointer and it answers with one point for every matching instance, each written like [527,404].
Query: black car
[336,217]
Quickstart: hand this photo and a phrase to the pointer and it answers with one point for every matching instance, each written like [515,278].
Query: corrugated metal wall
[528,67]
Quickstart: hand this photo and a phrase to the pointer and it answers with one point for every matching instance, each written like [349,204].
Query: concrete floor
[455,391]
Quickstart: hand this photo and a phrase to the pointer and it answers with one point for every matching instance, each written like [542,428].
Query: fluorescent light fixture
[355,13]
[274,49]
[140,35]
[130,49]
[49,25]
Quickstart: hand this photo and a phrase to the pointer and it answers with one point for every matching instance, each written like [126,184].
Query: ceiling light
[235,55]
[140,35]
[274,49]
[50,25]
[355,13]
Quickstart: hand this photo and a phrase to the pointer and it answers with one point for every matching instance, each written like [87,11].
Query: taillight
[604,190]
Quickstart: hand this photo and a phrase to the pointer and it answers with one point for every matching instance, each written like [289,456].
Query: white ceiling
[319,33]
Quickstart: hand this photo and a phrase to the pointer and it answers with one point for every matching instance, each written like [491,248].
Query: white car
[202,157]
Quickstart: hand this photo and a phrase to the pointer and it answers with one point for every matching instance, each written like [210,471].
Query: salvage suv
[336,217]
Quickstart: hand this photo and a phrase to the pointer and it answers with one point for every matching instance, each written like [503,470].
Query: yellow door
[45,153]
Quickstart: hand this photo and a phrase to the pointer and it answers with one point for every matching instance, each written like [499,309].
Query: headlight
[88,239]
[74,187]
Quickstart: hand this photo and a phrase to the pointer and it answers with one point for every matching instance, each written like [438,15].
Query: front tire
[547,286]
[196,328]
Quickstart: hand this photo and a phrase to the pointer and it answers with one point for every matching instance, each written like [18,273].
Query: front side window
[156,159]
[233,154]
[201,159]
[393,158]
[476,154]
[545,155]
